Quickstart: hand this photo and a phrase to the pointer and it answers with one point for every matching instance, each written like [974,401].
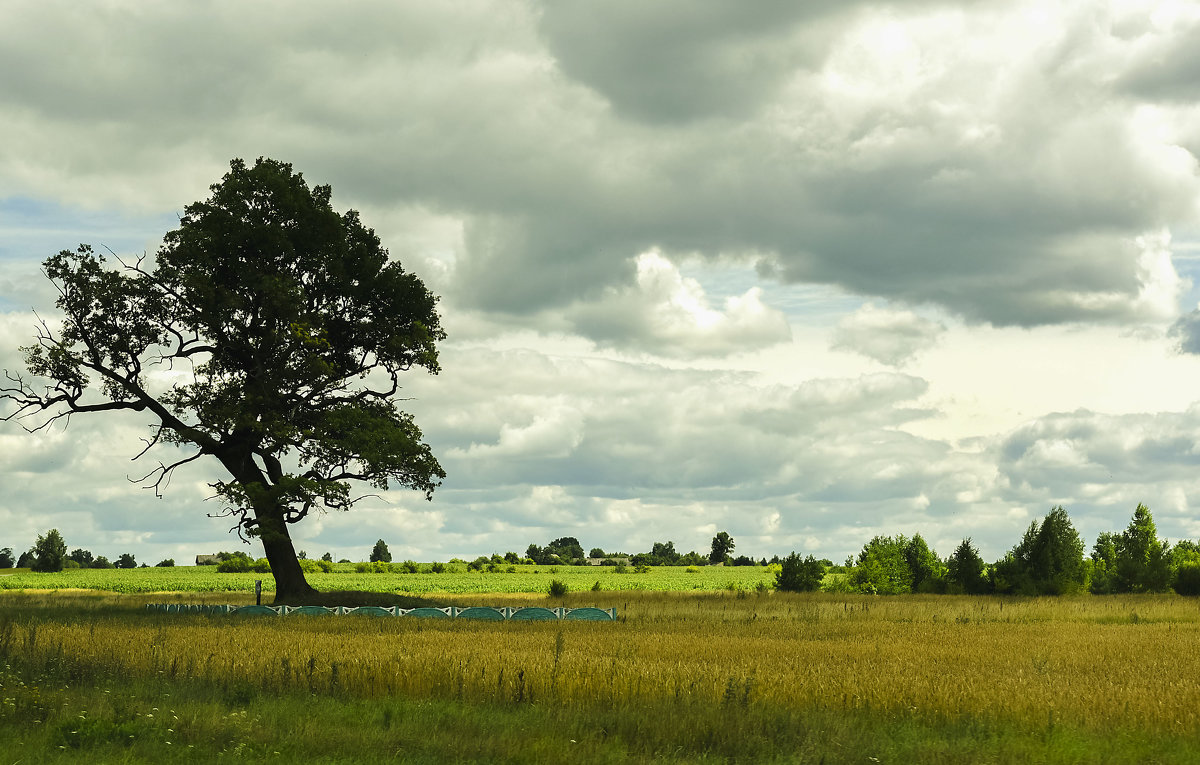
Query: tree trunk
[290,585]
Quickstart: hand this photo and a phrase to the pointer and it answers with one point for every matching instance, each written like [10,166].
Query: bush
[309,566]
[478,563]
[799,575]
[409,567]
[261,566]
[168,563]
[437,568]
[558,589]
[235,563]
[1187,579]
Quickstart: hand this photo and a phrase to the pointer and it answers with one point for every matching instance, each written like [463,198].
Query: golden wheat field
[1095,663]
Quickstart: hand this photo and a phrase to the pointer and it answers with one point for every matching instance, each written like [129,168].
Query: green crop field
[527,579]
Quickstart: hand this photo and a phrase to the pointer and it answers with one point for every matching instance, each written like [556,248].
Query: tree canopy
[292,327]
[722,546]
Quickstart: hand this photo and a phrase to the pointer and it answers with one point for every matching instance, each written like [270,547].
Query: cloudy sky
[804,272]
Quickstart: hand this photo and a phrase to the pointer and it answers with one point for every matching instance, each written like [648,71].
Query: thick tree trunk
[290,585]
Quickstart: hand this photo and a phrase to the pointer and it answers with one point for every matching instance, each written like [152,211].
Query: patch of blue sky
[32,229]
[1185,254]
[814,304]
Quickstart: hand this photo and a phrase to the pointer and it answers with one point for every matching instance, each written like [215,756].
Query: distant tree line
[49,553]
[1049,560]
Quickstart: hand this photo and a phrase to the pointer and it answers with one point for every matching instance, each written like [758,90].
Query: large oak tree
[291,327]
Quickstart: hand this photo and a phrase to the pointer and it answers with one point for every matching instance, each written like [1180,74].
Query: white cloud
[668,314]
[1017,170]
[887,336]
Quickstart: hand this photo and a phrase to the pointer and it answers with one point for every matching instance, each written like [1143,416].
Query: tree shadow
[355,598]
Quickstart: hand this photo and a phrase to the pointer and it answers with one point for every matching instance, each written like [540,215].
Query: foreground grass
[681,678]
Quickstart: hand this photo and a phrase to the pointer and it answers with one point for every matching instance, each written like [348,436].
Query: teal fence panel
[257,611]
[591,614]
[533,614]
[481,612]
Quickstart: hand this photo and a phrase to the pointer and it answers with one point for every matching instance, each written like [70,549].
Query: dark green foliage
[235,563]
[1047,561]
[102,562]
[380,553]
[557,589]
[692,558]
[167,563]
[83,557]
[596,553]
[1104,564]
[664,554]
[799,575]
[925,567]
[327,557]
[50,552]
[722,546]
[743,560]
[26,559]
[965,570]
[6,557]
[295,326]
[125,560]
[1143,560]
[511,557]
[1187,578]
[882,567]
[567,549]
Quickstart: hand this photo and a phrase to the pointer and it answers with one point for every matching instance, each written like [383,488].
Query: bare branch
[164,474]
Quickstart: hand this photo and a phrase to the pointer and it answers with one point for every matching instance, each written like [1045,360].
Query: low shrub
[1187,579]
[558,589]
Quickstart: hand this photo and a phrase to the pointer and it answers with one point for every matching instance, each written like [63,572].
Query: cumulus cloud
[888,336]
[921,152]
[668,314]
[550,166]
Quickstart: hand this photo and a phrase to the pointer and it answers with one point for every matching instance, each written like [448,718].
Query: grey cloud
[887,336]
[964,175]
[679,60]
[1186,330]
[1167,66]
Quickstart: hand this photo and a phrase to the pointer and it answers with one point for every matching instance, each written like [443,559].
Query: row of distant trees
[49,553]
[1049,560]
[568,551]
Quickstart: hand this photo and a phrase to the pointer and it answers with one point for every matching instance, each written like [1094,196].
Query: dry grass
[1093,663]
